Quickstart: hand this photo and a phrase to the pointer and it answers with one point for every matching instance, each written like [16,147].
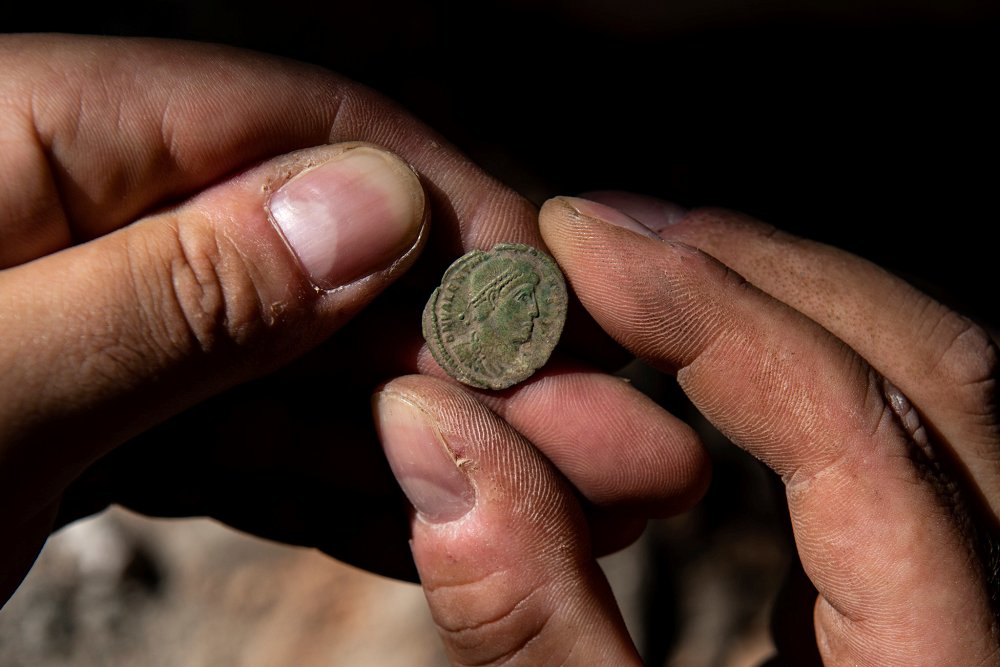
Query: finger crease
[978,529]
[45,151]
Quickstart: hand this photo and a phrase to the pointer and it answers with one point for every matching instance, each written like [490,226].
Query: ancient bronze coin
[497,315]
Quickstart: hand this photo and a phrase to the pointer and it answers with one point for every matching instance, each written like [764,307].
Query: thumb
[498,538]
[103,340]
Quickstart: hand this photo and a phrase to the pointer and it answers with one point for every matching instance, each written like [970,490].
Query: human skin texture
[196,250]
[875,405]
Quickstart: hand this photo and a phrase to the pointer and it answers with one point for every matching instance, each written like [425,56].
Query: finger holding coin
[493,324]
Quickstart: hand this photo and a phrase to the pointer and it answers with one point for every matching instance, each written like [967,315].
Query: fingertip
[421,459]
[513,579]
[570,221]
[638,287]
[652,212]
[596,244]
[609,215]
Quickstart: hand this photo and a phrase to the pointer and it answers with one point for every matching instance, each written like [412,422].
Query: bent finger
[943,362]
[884,544]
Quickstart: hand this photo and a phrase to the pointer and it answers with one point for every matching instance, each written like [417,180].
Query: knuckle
[968,358]
[202,297]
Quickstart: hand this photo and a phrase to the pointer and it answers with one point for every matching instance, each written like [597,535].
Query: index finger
[939,359]
[882,537]
[98,132]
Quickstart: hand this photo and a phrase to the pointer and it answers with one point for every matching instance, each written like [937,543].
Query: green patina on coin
[497,315]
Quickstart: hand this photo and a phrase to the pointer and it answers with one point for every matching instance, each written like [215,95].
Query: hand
[179,222]
[875,404]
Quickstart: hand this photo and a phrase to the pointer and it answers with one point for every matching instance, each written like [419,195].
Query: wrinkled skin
[130,164]
[875,404]
[162,348]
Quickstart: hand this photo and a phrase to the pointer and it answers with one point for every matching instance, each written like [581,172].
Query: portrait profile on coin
[497,315]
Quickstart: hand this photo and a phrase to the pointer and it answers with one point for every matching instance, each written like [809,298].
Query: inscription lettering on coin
[497,315]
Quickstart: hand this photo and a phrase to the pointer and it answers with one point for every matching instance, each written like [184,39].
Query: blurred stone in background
[126,590]
[122,589]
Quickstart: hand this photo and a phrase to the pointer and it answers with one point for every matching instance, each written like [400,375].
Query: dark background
[872,126]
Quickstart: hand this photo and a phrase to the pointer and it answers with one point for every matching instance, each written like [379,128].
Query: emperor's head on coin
[501,313]
[496,316]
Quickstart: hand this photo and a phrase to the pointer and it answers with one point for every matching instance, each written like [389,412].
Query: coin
[496,316]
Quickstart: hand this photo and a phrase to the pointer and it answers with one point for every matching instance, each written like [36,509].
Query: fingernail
[593,209]
[656,214]
[349,217]
[421,460]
